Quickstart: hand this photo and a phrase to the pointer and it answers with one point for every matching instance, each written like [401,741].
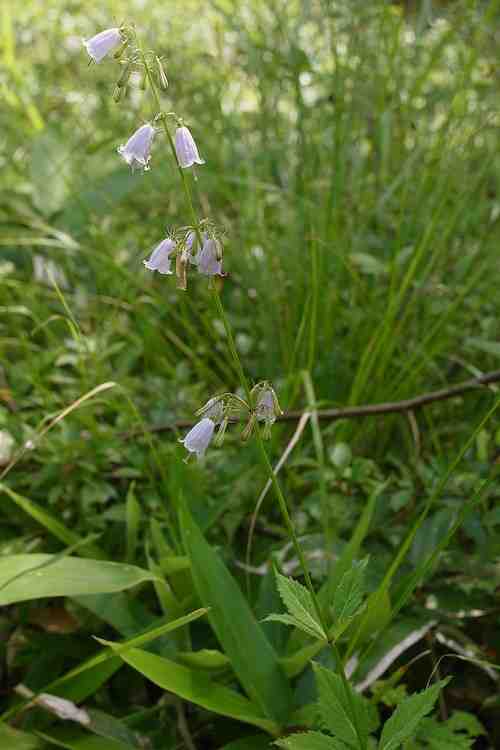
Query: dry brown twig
[408,405]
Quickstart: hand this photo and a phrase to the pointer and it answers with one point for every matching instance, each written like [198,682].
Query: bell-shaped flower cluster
[190,246]
[228,407]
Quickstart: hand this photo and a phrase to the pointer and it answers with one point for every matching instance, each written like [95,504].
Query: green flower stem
[260,442]
[185,183]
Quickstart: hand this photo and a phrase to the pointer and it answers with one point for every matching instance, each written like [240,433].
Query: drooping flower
[103,43]
[138,147]
[199,437]
[208,259]
[159,260]
[185,148]
[267,408]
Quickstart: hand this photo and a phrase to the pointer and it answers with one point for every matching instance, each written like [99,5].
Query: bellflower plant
[186,149]
[199,243]
[138,147]
[159,259]
[103,43]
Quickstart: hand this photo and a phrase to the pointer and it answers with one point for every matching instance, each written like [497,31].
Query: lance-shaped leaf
[345,713]
[348,596]
[24,577]
[196,686]
[242,638]
[408,715]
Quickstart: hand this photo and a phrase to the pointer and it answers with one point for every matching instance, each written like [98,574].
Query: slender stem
[185,184]
[300,554]
[232,346]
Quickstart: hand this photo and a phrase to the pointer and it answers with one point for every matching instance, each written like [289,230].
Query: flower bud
[185,148]
[267,407]
[162,76]
[138,147]
[125,75]
[102,44]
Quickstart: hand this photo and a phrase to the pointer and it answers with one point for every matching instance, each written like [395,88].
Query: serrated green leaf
[310,741]
[407,716]
[343,711]
[295,623]
[456,733]
[465,722]
[348,596]
[299,604]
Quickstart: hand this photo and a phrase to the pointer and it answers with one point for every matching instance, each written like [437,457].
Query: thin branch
[353,412]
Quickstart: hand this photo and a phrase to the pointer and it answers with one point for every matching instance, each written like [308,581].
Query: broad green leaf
[344,712]
[252,657]
[12,739]
[407,716]
[195,686]
[139,640]
[24,577]
[348,596]
[310,741]
[299,604]
[436,735]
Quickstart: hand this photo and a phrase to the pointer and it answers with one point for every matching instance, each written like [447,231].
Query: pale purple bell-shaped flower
[265,408]
[138,147]
[207,259]
[103,43]
[199,437]
[159,260]
[185,148]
